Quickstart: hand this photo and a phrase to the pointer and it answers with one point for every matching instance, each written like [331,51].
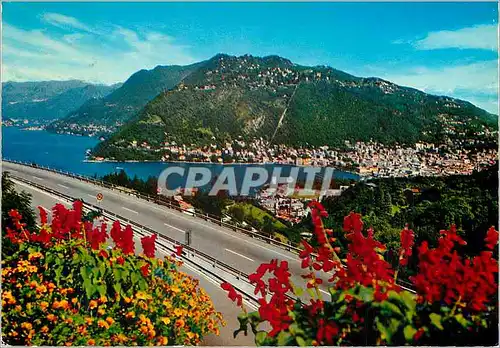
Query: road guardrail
[161,200]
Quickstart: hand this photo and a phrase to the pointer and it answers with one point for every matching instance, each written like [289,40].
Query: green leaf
[284,338]
[260,338]
[300,341]
[391,307]
[102,290]
[366,294]
[409,332]
[461,320]
[436,320]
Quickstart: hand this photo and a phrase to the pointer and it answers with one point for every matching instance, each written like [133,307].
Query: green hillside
[106,114]
[48,100]
[228,98]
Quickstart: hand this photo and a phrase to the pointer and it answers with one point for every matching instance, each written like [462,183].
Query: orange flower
[69,321]
[93,304]
[33,284]
[127,299]
[51,317]
[179,323]
[26,325]
[44,329]
[91,342]
[101,311]
[130,315]
[74,300]
[44,305]
[103,324]
[110,320]
[102,299]
[88,321]
[162,341]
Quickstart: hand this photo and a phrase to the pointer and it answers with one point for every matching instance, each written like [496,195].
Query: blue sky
[441,48]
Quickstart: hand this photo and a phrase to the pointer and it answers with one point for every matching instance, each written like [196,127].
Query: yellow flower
[44,305]
[178,312]
[191,335]
[34,255]
[167,304]
[101,311]
[26,326]
[103,324]
[103,299]
[175,289]
[41,289]
[141,295]
[165,320]
[162,341]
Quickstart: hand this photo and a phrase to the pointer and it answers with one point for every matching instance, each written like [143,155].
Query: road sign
[188,237]
[99,196]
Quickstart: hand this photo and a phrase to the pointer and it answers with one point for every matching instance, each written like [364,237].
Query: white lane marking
[37,177]
[130,210]
[88,194]
[63,186]
[175,228]
[167,210]
[243,256]
[40,191]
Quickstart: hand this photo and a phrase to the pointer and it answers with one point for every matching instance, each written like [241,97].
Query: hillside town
[368,159]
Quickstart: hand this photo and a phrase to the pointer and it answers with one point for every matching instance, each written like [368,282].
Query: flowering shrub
[62,287]
[455,301]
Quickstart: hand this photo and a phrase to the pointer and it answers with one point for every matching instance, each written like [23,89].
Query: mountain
[228,98]
[104,115]
[47,100]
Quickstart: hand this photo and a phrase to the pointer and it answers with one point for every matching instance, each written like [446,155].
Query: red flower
[103,254]
[145,270]
[232,294]
[326,333]
[148,245]
[43,215]
[120,260]
[491,238]
[407,240]
[353,223]
[178,250]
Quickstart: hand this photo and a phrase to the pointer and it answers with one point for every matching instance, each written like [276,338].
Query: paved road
[233,248]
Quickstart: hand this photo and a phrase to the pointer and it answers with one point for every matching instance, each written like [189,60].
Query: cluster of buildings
[365,158]
[90,129]
[290,204]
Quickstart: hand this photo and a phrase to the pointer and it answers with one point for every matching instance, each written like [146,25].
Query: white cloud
[476,82]
[110,58]
[65,22]
[483,37]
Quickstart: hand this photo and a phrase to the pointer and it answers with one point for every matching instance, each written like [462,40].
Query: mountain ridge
[41,101]
[229,97]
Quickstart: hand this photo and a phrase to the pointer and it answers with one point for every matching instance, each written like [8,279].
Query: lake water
[67,152]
